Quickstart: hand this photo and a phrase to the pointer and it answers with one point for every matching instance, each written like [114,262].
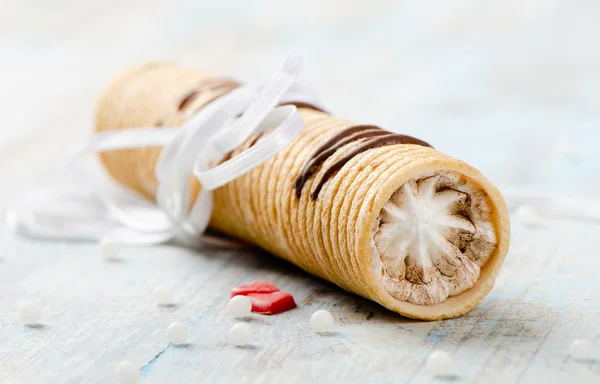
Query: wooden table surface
[495,83]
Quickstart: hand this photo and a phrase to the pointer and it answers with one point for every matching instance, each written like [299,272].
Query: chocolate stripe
[211,84]
[376,142]
[343,138]
[188,98]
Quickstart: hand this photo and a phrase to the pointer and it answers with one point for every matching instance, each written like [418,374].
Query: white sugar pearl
[321,321]
[163,295]
[440,363]
[177,333]
[581,349]
[240,334]
[528,215]
[30,313]
[239,306]
[109,249]
[127,372]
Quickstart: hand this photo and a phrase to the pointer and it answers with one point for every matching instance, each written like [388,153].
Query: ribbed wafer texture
[146,96]
[330,237]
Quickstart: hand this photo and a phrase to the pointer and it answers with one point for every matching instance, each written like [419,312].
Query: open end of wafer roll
[432,237]
[420,232]
[434,243]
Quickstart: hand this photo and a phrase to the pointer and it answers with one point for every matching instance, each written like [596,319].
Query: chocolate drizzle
[372,136]
[329,147]
[375,138]
[213,84]
[187,99]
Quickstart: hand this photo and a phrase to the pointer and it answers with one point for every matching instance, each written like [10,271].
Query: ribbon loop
[288,125]
[267,99]
[105,209]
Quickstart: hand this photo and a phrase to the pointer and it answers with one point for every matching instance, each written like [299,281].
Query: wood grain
[492,83]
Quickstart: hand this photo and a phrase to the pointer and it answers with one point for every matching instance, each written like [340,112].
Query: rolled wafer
[384,216]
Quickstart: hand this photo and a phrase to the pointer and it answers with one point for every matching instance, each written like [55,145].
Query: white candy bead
[127,372]
[163,295]
[440,363]
[177,333]
[581,349]
[321,321]
[528,215]
[240,334]
[109,250]
[239,306]
[30,313]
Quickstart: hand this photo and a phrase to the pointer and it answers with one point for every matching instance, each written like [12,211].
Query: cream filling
[432,238]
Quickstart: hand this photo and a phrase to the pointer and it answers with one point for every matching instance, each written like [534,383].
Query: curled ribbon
[104,209]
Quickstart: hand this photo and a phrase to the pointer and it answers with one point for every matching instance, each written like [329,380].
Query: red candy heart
[271,303]
[265,297]
[256,287]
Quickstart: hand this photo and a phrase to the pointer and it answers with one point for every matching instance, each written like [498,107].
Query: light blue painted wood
[97,313]
[494,83]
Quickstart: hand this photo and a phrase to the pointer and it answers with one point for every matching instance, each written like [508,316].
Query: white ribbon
[105,209]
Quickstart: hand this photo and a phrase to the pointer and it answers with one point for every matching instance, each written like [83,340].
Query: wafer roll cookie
[384,216]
